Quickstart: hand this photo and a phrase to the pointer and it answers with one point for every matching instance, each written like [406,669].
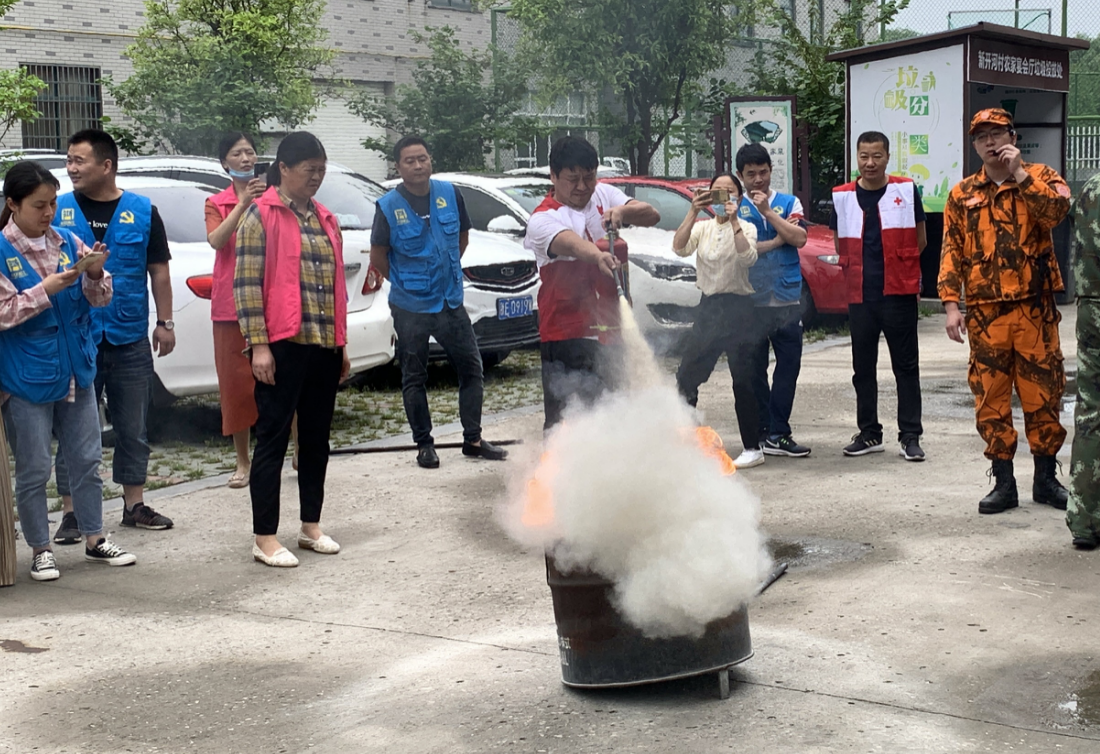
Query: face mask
[719,209]
[241,175]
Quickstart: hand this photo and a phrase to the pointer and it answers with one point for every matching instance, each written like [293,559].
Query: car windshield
[350,197]
[182,208]
[529,197]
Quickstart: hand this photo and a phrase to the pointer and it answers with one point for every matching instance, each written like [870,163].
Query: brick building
[70,45]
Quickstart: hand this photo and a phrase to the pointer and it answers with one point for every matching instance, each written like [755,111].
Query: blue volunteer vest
[39,356]
[779,271]
[425,269]
[126,319]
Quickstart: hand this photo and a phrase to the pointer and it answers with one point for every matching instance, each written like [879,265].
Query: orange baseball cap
[994,116]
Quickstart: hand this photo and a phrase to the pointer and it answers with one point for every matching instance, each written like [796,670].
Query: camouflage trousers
[1083,513]
[1016,344]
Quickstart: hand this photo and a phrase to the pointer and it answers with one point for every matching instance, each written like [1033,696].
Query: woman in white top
[724,251]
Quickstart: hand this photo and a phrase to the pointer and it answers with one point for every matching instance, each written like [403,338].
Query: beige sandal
[239,480]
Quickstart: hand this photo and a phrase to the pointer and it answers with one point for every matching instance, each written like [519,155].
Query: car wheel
[161,397]
[809,310]
[490,359]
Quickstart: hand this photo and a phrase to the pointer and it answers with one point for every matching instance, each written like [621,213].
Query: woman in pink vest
[291,301]
[224,211]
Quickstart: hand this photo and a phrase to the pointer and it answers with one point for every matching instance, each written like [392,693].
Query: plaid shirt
[17,307]
[318,279]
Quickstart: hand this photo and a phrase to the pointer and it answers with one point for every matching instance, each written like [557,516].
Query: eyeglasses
[995,133]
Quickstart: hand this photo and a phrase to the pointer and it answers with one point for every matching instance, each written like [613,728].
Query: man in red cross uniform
[879,234]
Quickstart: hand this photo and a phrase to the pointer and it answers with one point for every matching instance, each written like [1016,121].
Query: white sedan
[662,285]
[500,278]
[189,369]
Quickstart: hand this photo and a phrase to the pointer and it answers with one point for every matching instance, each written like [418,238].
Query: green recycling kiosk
[922,92]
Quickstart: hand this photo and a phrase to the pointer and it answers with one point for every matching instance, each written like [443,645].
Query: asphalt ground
[906,623]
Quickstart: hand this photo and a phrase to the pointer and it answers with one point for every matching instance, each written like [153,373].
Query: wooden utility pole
[7,516]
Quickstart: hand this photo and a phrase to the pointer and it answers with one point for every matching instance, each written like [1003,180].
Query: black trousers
[896,318]
[453,330]
[306,380]
[577,370]
[723,324]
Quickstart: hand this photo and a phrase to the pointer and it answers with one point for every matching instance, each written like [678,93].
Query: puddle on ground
[812,552]
[13,645]
[1082,706]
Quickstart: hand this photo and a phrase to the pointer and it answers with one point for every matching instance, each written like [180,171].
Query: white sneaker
[749,457]
[44,567]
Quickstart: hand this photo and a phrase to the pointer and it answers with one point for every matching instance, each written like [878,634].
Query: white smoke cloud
[637,501]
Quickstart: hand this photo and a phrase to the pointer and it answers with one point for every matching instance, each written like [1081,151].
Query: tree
[205,67]
[18,90]
[459,102]
[796,65]
[646,57]
[1084,68]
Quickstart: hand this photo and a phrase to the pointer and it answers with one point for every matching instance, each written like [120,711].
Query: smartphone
[719,196]
[87,261]
[704,193]
[260,170]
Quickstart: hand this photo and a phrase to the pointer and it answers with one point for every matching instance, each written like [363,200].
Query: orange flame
[538,509]
[710,442]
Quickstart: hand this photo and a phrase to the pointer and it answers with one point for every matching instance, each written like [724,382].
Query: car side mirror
[505,224]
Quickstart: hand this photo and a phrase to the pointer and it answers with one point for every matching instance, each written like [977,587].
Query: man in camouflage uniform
[999,254]
[1083,514]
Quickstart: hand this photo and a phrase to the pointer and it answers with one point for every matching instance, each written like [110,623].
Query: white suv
[189,369]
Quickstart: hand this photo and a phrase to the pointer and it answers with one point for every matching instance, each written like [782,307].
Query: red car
[823,290]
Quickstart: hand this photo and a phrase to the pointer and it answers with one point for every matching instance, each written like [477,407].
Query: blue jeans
[126,374]
[453,330]
[780,327]
[76,426]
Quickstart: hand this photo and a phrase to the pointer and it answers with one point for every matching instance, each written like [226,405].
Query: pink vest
[900,252]
[222,308]
[283,268]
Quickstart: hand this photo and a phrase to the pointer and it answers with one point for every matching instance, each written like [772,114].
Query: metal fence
[1082,150]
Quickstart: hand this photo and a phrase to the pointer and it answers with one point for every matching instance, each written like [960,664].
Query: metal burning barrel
[600,649]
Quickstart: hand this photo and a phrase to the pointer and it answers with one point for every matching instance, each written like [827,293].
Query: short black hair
[752,154]
[873,137]
[732,177]
[229,141]
[408,141]
[294,149]
[572,152]
[103,146]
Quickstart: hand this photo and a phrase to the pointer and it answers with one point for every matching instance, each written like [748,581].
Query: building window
[71,101]
[453,4]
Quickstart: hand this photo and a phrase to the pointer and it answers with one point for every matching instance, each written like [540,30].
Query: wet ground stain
[13,645]
[812,552]
[1083,705]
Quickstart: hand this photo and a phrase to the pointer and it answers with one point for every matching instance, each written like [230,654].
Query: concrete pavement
[907,623]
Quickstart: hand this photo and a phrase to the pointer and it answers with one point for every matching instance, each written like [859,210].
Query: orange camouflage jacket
[997,243]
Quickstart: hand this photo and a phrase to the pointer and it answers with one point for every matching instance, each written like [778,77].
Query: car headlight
[829,258]
[664,269]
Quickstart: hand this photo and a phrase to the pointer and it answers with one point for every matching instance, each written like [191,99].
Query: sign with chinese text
[993,62]
[770,124]
[916,100]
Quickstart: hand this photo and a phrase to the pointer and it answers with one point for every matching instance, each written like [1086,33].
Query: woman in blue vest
[48,363]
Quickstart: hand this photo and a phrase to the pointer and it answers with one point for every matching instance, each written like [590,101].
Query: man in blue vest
[128,224]
[420,231]
[777,279]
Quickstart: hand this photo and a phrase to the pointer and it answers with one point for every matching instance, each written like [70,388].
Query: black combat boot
[1046,488]
[1004,494]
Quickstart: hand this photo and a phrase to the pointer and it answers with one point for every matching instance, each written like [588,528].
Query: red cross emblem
[897,200]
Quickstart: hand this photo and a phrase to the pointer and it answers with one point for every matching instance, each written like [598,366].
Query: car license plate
[510,308]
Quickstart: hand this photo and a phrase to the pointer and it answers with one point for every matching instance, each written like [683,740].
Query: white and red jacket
[900,251]
[576,300]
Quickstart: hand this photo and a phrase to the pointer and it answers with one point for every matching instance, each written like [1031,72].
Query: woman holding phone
[48,363]
[224,211]
[724,251]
